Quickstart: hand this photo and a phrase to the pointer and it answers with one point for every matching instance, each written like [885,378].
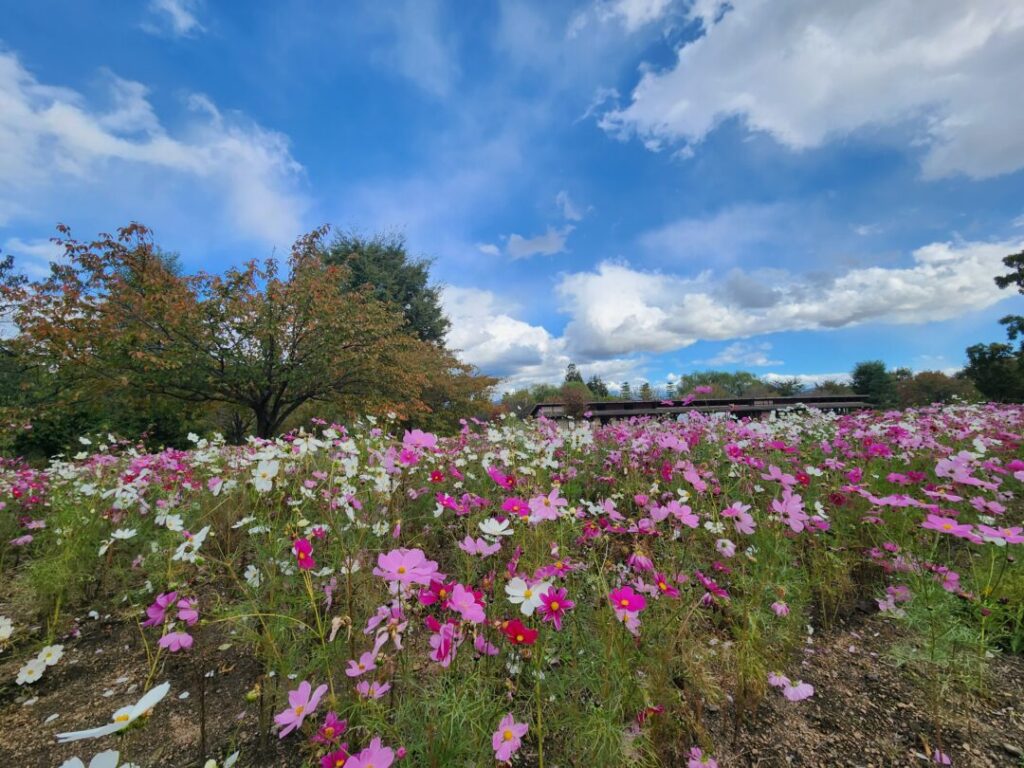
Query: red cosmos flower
[519,634]
[304,554]
[437,476]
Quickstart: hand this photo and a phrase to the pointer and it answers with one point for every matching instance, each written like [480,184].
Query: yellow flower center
[554,605]
[624,602]
[122,718]
[519,638]
[528,593]
[947,526]
[299,710]
[662,586]
[508,735]
[559,564]
[329,732]
[443,593]
[401,569]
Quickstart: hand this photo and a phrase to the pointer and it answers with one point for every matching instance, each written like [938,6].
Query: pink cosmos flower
[484,647]
[940,757]
[624,598]
[798,691]
[157,612]
[947,525]
[776,680]
[554,604]
[374,690]
[546,507]
[464,602]
[683,514]
[791,510]
[367,663]
[374,756]
[508,738]
[302,703]
[406,566]
[780,608]
[187,611]
[725,547]
[479,547]
[304,554]
[176,641]
[516,506]
[697,759]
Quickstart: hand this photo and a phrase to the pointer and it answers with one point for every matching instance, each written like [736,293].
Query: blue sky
[645,187]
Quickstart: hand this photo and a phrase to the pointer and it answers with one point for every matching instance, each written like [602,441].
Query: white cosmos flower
[108,759]
[266,471]
[495,528]
[51,654]
[124,533]
[31,672]
[122,718]
[6,629]
[252,576]
[526,597]
[188,549]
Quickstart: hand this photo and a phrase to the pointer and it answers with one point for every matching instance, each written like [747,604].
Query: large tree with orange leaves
[262,338]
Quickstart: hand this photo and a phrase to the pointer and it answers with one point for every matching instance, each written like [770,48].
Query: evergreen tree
[626,393]
[572,374]
[873,381]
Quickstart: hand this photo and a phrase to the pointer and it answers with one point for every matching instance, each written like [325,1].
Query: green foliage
[997,370]
[929,387]
[382,264]
[572,374]
[877,384]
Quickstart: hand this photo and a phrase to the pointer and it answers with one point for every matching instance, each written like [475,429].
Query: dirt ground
[865,712]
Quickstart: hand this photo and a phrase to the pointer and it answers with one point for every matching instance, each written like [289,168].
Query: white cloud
[489,337]
[637,13]
[52,139]
[177,16]
[742,353]
[548,244]
[616,309]
[32,257]
[488,249]
[421,49]
[569,209]
[807,71]
[807,379]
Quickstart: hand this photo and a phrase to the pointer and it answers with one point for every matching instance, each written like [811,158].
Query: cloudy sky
[644,187]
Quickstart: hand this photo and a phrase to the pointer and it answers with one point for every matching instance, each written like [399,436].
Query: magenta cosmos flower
[406,566]
[304,554]
[553,605]
[374,756]
[157,612]
[508,738]
[302,702]
[625,599]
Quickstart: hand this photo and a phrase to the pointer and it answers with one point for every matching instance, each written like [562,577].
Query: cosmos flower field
[525,593]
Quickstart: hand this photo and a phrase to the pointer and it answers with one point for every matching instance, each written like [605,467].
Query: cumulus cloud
[807,71]
[742,353]
[177,17]
[488,249]
[488,336]
[616,309]
[548,244]
[52,138]
[807,379]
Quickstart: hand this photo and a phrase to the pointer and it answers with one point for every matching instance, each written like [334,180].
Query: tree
[788,387]
[929,387]
[997,370]
[873,381]
[646,393]
[626,392]
[597,386]
[572,374]
[113,318]
[382,265]
[575,396]
[832,387]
